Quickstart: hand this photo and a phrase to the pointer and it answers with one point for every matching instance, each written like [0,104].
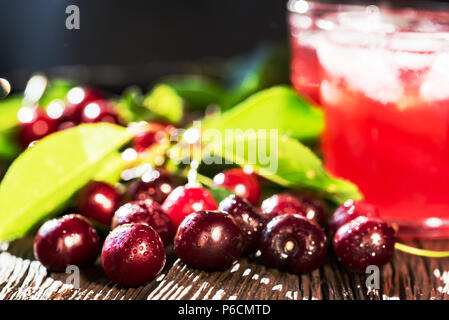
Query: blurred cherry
[155,184]
[99,111]
[243,184]
[185,200]
[34,125]
[98,201]
[77,98]
[156,133]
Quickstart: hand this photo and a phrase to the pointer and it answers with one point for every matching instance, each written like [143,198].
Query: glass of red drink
[384,85]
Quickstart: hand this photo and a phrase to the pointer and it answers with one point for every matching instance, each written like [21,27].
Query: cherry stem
[193,177]
[204,180]
[421,252]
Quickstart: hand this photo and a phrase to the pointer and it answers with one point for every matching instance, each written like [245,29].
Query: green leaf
[131,107]
[275,108]
[284,161]
[57,89]
[219,194]
[8,111]
[9,146]
[111,170]
[263,68]
[44,177]
[165,102]
[198,91]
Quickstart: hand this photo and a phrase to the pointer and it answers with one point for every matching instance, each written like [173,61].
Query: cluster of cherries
[82,105]
[287,231]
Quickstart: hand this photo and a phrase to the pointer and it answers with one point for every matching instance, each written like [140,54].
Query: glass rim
[304,6]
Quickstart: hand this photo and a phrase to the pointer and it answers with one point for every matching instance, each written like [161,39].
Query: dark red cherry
[351,210]
[99,111]
[69,240]
[362,242]
[77,98]
[315,209]
[98,201]
[241,183]
[185,200]
[133,254]
[34,125]
[209,240]
[282,203]
[146,211]
[292,242]
[250,222]
[154,184]
[156,133]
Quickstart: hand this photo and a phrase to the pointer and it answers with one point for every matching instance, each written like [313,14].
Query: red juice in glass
[385,90]
[305,70]
[304,28]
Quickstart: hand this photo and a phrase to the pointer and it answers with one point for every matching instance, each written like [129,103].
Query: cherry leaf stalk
[421,252]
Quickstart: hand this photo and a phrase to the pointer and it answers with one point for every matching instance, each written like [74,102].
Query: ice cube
[363,64]
[436,82]
[371,49]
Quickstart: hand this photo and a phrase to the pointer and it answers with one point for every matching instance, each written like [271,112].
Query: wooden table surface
[406,277]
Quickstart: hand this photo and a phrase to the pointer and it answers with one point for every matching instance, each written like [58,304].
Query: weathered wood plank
[406,277]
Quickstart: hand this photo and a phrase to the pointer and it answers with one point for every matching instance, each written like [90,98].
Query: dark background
[133,32]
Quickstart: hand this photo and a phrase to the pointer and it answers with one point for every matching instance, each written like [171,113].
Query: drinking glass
[384,84]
